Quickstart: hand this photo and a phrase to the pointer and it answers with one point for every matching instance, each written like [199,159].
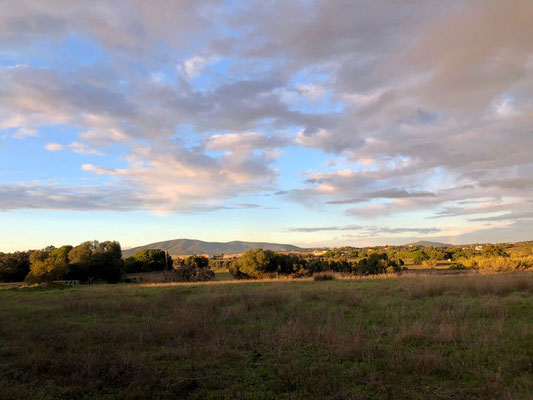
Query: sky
[315,123]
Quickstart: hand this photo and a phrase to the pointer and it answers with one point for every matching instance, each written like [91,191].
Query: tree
[377,263]
[419,257]
[81,260]
[95,261]
[148,260]
[194,269]
[494,251]
[14,266]
[49,266]
[108,262]
[254,264]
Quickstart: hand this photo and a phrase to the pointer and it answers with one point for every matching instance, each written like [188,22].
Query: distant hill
[180,247]
[425,243]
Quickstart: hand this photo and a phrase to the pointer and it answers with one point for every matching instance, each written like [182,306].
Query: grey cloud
[367,230]
[510,216]
[80,198]
[481,209]
[509,183]
[385,194]
[325,228]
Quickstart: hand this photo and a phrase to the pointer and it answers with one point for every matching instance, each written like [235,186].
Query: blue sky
[352,123]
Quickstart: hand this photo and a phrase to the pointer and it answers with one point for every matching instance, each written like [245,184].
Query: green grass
[460,337]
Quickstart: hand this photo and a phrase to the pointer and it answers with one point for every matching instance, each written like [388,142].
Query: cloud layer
[424,108]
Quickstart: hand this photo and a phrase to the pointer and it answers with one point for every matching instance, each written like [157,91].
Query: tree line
[259,263]
[90,261]
[94,261]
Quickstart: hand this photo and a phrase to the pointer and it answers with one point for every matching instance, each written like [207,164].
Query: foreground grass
[463,337]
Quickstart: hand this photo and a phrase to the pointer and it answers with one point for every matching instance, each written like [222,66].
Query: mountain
[180,247]
[425,243]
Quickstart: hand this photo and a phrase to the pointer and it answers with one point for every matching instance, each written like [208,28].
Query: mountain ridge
[181,247]
[426,243]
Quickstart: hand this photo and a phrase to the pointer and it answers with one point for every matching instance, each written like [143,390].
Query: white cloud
[103,171]
[311,91]
[24,132]
[76,147]
[193,66]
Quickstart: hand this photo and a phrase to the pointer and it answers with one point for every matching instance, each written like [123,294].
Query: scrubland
[414,337]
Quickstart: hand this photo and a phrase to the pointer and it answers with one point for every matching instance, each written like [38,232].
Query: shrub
[457,266]
[194,269]
[324,276]
[189,273]
[220,264]
[487,265]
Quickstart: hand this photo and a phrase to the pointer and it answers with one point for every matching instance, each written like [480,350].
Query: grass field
[452,337]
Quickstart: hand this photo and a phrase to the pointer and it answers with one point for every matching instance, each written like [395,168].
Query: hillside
[179,247]
[425,243]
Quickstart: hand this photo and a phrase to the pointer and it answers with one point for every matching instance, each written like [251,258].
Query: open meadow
[423,337]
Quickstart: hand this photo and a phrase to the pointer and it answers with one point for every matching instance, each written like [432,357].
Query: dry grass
[465,337]
[497,285]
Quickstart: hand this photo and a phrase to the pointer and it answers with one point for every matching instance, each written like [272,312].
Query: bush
[188,273]
[220,264]
[490,265]
[324,276]
[194,269]
[457,266]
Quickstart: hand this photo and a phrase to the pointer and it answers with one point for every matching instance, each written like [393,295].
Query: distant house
[478,248]
[319,252]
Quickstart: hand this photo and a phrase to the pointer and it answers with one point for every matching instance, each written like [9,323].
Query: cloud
[173,178]
[311,91]
[325,228]
[103,171]
[24,132]
[366,230]
[247,141]
[76,147]
[194,65]
[393,193]
[80,198]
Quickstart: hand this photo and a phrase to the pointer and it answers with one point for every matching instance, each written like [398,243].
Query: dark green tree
[148,260]
[94,261]
[14,266]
